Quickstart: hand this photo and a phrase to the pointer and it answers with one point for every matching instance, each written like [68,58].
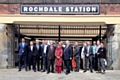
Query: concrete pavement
[13,74]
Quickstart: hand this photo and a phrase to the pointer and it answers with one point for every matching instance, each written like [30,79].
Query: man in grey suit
[88,56]
[76,54]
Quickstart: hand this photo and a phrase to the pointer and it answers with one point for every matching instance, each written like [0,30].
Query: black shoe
[34,70]
[91,71]
[29,69]
[84,71]
[26,70]
[48,72]
[52,72]
[76,70]
[19,70]
[99,72]
[43,71]
[103,72]
[67,73]
[38,70]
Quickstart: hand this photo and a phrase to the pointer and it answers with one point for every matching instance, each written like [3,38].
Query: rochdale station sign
[60,9]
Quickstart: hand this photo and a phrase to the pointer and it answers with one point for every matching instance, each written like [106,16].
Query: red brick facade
[105,9]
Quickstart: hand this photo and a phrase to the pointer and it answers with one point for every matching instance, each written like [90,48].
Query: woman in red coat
[58,59]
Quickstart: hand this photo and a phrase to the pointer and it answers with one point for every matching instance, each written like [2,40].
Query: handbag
[105,63]
[73,62]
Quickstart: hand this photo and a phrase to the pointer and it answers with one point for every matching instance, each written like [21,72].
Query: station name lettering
[59,9]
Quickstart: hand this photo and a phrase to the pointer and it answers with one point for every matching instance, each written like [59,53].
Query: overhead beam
[95,28]
[57,35]
[61,19]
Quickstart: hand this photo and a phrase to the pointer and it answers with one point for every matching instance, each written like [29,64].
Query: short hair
[67,41]
[31,41]
[94,41]
[37,40]
[76,42]
[98,40]
[22,38]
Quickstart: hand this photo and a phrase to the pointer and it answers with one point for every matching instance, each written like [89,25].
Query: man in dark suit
[67,56]
[44,56]
[41,59]
[88,56]
[76,54]
[22,47]
[30,54]
[50,57]
[36,56]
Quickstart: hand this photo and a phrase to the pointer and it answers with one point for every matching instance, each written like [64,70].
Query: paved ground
[13,74]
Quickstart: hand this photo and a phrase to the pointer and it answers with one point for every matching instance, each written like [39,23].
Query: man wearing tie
[44,56]
[67,56]
[50,57]
[22,47]
[30,54]
[36,56]
[88,56]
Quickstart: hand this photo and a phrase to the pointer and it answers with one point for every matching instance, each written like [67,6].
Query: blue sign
[60,9]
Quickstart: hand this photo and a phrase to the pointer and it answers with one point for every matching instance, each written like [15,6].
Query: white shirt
[97,48]
[31,48]
[63,46]
[82,53]
[23,44]
[45,48]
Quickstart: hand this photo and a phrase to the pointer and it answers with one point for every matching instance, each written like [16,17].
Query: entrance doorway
[79,33]
[62,33]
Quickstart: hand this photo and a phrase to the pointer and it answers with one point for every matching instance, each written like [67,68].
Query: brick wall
[105,9]
[9,8]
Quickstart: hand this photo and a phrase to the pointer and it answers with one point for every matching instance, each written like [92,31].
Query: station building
[59,20]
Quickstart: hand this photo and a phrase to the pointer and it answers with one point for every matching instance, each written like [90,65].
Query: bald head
[67,43]
[37,41]
[98,42]
[88,42]
[43,41]
[76,43]
[84,44]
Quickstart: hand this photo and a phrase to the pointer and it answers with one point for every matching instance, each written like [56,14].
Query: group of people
[43,56]
[94,56]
